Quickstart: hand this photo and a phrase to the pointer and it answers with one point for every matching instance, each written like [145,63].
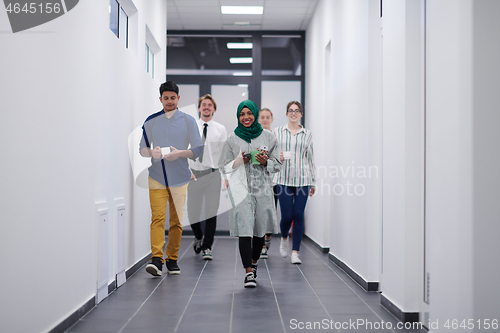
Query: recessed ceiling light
[241,60]
[256,10]
[239,45]
[243,85]
[242,73]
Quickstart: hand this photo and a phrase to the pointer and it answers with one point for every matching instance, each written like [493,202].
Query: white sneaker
[295,258]
[284,247]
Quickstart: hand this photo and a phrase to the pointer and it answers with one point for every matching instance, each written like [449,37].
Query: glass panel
[113,16]
[152,65]
[227,98]
[189,94]
[275,95]
[207,55]
[147,58]
[281,55]
[123,35]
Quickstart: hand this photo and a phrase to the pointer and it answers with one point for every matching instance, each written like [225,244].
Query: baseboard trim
[405,317]
[131,271]
[191,233]
[74,317]
[317,246]
[90,304]
[367,286]
[111,286]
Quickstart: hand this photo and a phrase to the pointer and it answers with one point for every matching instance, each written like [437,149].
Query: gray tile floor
[209,296]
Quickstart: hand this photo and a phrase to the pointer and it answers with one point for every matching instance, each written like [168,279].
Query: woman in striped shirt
[295,182]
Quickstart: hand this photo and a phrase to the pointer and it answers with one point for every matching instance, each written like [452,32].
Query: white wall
[462,139]
[463,160]
[486,143]
[317,38]
[71,94]
[403,142]
[346,126]
[449,159]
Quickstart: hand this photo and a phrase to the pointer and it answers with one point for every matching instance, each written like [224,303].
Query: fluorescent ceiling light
[257,10]
[242,74]
[241,60]
[239,45]
[243,85]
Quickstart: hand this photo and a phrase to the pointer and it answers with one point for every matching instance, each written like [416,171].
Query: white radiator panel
[102,252]
[121,264]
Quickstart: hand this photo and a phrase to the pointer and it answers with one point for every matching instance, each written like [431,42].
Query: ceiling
[206,15]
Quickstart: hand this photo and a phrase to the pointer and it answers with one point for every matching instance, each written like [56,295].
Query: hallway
[209,296]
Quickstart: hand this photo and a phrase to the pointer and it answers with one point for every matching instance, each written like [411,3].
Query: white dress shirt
[216,136]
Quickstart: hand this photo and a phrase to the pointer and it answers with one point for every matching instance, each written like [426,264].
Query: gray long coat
[250,187]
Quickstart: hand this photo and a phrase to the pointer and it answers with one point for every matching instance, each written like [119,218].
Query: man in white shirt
[205,185]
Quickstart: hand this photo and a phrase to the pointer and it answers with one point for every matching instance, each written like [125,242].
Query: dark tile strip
[368,286]
[192,293]
[275,297]
[317,297]
[234,287]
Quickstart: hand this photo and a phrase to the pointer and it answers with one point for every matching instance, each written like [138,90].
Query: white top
[216,136]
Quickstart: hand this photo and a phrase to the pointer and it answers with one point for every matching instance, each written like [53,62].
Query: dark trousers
[293,203]
[202,205]
[249,251]
[275,192]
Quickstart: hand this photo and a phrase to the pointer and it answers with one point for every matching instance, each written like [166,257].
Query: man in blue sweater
[166,137]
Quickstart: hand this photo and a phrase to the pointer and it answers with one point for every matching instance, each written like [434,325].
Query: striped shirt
[299,170]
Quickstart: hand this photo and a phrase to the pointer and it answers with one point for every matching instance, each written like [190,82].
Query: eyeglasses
[294,111]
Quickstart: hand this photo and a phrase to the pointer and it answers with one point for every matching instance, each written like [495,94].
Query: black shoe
[250,281]
[154,268]
[254,270]
[172,267]
[197,245]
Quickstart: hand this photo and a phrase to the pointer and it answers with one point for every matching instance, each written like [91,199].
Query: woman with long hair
[295,182]
[250,154]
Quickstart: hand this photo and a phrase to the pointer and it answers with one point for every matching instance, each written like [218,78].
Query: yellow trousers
[159,195]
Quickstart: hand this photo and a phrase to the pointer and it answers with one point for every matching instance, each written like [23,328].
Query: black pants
[205,190]
[275,205]
[249,252]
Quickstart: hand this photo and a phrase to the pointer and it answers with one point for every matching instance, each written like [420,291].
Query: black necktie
[203,139]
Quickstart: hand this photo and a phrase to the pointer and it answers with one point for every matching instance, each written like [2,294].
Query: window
[210,55]
[282,55]
[114,11]
[123,24]
[118,21]
[269,65]
[152,48]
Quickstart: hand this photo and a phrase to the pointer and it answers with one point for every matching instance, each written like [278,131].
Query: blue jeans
[293,203]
